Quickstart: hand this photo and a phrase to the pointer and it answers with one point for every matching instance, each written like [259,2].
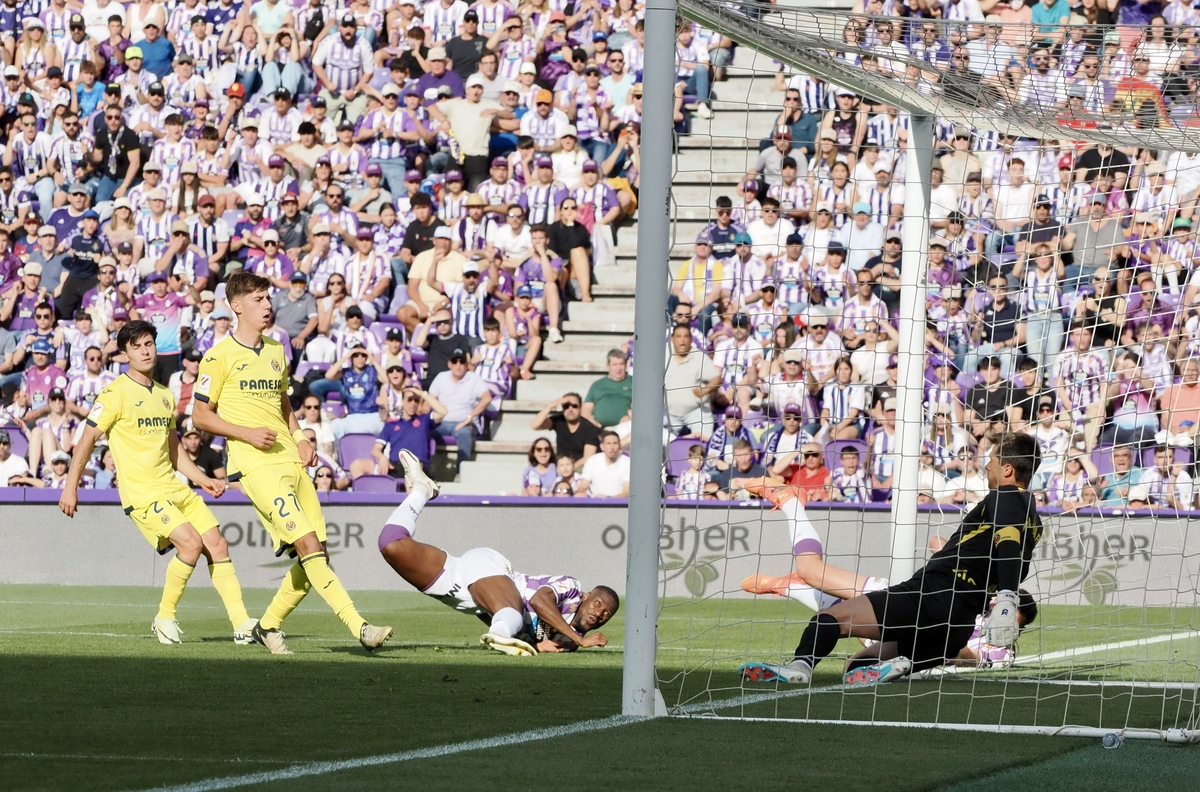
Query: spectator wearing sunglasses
[575,438]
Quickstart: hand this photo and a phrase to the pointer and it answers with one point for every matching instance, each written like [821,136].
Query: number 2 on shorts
[281,505]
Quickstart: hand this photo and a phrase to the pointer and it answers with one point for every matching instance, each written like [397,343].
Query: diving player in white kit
[551,610]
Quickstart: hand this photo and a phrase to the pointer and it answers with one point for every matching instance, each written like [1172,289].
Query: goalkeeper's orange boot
[773,490]
[767,584]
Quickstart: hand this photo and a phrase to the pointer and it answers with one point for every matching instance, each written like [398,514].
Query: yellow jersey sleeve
[210,377]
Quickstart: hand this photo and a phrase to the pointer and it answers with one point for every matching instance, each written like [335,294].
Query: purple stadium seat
[354,446]
[232,217]
[1182,456]
[967,380]
[334,396]
[335,409]
[371,483]
[306,366]
[833,452]
[20,443]
[1102,459]
[677,454]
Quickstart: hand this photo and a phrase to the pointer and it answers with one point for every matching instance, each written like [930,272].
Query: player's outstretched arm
[546,607]
[205,418]
[185,465]
[69,500]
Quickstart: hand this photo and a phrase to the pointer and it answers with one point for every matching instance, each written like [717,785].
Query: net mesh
[1090,246]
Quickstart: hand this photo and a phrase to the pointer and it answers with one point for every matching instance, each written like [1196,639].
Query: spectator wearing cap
[185,266]
[745,276]
[356,375]
[368,275]
[66,219]
[11,466]
[40,378]
[862,237]
[21,299]
[343,65]
[769,232]
[885,198]
[81,264]
[1042,229]
[470,233]
[543,194]
[157,50]
[47,255]
[445,20]
[783,443]
[885,268]
[990,399]
[699,281]
[296,310]
[690,378]
[292,227]
[466,397]
[439,75]
[568,160]
[546,123]
[794,195]
[439,339]
[410,429]
[499,190]
[28,157]
[342,223]
[768,167]
[102,299]
[368,201]
[273,185]
[210,234]
[381,132]
[599,200]
[510,244]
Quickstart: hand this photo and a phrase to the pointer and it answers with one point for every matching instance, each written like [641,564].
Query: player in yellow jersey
[138,416]
[241,393]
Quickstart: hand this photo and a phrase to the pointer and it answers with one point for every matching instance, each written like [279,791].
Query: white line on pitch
[325,768]
[1106,647]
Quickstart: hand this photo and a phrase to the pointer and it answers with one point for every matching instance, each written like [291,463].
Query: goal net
[894,240]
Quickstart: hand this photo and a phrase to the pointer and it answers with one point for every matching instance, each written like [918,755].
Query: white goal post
[1117,645]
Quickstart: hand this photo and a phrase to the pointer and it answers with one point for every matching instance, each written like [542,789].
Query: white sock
[507,622]
[810,598]
[804,535]
[405,515]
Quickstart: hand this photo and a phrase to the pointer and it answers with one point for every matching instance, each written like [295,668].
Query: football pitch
[93,702]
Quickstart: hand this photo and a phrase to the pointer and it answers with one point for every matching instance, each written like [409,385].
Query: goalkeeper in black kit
[919,623]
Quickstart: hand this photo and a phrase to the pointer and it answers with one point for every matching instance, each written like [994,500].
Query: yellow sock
[178,573]
[291,593]
[326,583]
[225,581]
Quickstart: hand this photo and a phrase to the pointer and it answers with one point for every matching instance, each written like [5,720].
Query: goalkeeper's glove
[1001,628]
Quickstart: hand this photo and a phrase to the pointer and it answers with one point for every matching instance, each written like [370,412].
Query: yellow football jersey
[245,386]
[138,420]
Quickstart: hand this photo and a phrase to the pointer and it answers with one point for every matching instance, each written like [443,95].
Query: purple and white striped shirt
[568,594]
[344,66]
[1082,376]
[540,201]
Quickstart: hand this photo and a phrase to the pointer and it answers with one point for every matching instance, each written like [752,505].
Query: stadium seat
[380,331]
[1102,459]
[833,452]
[306,366]
[372,483]
[20,443]
[354,446]
[1183,456]
[677,455]
[335,409]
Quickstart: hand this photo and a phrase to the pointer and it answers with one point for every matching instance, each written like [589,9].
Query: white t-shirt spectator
[13,466]
[459,397]
[607,480]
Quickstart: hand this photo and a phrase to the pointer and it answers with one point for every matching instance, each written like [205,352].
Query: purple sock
[806,546]
[392,533]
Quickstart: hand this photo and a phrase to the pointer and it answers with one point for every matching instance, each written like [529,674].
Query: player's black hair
[1022,452]
[134,331]
[612,595]
[1027,607]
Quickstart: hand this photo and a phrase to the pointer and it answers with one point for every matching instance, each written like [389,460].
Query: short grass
[91,701]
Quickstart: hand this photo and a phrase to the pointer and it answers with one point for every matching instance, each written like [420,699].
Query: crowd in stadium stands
[1060,293]
[429,184]
[426,183]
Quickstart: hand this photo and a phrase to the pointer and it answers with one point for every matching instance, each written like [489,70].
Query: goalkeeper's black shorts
[921,624]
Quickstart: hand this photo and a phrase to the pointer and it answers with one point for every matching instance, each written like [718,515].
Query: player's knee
[215,546]
[188,546]
[828,622]
[507,622]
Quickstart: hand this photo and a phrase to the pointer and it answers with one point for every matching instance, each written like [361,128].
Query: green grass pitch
[93,702]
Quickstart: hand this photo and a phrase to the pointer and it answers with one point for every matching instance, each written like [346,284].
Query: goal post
[1116,643]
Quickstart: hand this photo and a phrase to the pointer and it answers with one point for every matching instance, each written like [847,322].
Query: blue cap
[742,238]
[90,214]
[794,239]
[524,291]
[703,238]
[157,275]
[299,277]
[42,345]
[862,207]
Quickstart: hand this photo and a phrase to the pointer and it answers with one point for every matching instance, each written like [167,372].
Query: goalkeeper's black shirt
[992,549]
